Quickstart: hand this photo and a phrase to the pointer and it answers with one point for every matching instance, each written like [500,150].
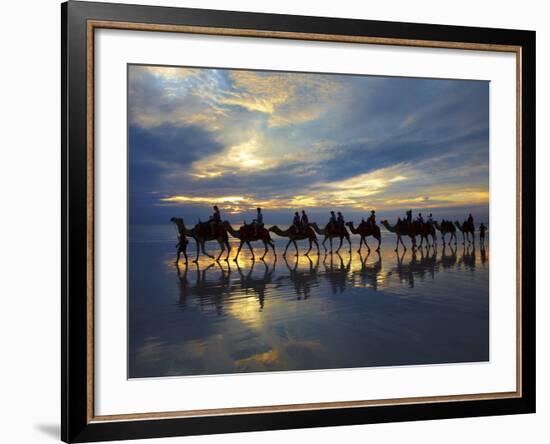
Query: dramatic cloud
[285,141]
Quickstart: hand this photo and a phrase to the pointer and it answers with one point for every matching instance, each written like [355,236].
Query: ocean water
[324,311]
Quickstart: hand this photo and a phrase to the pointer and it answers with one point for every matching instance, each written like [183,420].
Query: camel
[444,228]
[331,232]
[246,235]
[365,230]
[425,229]
[294,235]
[400,229]
[202,234]
[466,229]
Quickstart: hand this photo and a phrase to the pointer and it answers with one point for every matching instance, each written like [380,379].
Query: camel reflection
[256,285]
[468,258]
[214,285]
[448,257]
[303,280]
[336,273]
[368,275]
[208,292]
[423,263]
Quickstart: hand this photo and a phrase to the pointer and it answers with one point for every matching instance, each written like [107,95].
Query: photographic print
[286,221]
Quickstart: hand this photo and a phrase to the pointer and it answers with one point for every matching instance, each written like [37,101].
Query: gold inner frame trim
[97,24]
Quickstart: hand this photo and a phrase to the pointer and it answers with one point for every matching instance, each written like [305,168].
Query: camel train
[246,234]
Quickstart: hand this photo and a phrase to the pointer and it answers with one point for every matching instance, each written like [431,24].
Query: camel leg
[349,242]
[178,257]
[360,245]
[287,245]
[330,244]
[238,252]
[198,251]
[296,246]
[340,246]
[397,244]
[222,249]
[204,251]
[324,246]
[318,249]
[228,250]
[251,250]
[273,246]
[310,247]
[367,245]
[379,239]
[265,251]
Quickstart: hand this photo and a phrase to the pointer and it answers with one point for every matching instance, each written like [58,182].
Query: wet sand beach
[303,313]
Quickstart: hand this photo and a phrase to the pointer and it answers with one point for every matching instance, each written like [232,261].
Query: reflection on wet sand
[216,282]
[307,312]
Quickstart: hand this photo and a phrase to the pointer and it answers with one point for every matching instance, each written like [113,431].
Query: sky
[289,141]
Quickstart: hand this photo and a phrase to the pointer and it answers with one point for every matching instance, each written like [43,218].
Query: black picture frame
[76,424]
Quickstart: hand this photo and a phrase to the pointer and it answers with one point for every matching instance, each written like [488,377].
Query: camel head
[349,224]
[176,220]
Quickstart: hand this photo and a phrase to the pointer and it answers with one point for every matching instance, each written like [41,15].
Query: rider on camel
[471,220]
[332,221]
[419,218]
[430,219]
[296,222]
[340,220]
[214,220]
[305,220]
[409,216]
[258,222]
[372,218]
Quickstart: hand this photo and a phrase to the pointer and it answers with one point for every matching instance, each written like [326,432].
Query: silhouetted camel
[444,228]
[202,233]
[294,235]
[401,228]
[466,229]
[246,235]
[364,229]
[331,231]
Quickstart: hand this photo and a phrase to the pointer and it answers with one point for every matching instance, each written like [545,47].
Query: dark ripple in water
[322,312]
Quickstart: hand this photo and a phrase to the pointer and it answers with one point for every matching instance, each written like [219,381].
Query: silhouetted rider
[214,220]
[258,222]
[296,222]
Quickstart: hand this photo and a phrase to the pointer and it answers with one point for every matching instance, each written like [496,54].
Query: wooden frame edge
[106,24]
